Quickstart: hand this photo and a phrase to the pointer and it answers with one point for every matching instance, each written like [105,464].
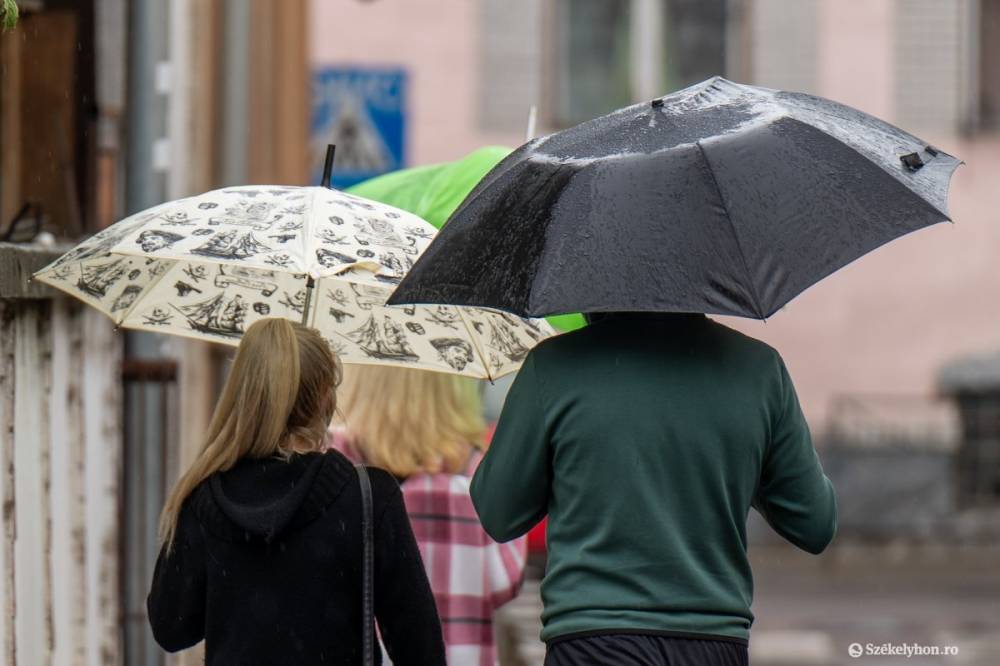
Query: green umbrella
[433,193]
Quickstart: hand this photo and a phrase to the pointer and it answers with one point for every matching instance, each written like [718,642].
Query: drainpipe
[145,112]
[236,100]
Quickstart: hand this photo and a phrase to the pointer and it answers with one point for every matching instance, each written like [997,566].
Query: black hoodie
[266,568]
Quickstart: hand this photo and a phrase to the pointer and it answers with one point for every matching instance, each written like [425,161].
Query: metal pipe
[236,100]
[327,181]
[310,285]
[647,52]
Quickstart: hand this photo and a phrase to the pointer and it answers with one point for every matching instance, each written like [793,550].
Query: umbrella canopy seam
[149,288]
[307,236]
[475,342]
[751,285]
[894,178]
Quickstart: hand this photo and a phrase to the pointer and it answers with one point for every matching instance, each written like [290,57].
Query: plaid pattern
[471,575]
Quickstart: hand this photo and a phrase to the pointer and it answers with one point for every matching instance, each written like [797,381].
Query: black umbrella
[721,198]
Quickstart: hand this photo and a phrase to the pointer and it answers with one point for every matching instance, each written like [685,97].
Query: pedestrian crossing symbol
[362,112]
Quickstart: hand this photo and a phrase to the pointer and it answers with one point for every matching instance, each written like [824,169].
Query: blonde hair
[280,396]
[411,421]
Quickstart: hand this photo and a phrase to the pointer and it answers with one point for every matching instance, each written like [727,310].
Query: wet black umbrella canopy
[721,198]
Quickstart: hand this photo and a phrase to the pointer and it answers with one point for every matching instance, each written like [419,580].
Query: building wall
[783,45]
[839,60]
[882,325]
[932,42]
[438,42]
[509,64]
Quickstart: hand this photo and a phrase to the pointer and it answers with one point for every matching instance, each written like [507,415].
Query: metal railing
[898,420]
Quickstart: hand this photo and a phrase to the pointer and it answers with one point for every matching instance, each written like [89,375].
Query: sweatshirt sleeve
[404,603]
[510,489]
[795,496]
[176,601]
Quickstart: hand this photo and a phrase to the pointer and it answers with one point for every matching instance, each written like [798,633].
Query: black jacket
[266,567]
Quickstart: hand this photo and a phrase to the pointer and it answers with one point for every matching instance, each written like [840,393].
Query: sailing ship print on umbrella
[385,341]
[230,245]
[468,341]
[209,266]
[96,280]
[217,316]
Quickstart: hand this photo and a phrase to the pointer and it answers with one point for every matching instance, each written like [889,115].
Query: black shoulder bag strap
[367,573]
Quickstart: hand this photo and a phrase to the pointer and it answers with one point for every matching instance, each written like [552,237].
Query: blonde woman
[262,542]
[425,428]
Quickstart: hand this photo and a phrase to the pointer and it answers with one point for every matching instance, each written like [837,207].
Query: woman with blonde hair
[262,551]
[426,429]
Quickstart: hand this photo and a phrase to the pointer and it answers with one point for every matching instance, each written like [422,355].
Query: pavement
[889,604]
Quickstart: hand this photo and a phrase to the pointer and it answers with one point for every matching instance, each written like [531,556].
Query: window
[510,62]
[610,53]
[695,45]
[988,107]
[947,64]
[979,453]
[46,116]
[592,59]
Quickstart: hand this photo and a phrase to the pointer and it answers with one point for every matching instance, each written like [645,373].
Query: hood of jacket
[261,499]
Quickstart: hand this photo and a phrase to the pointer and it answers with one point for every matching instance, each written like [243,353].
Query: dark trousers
[645,650]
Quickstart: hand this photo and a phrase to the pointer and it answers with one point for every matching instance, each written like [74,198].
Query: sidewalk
[809,610]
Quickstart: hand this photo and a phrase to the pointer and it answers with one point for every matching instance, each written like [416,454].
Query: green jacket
[646,439]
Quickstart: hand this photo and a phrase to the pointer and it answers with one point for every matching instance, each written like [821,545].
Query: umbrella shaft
[310,285]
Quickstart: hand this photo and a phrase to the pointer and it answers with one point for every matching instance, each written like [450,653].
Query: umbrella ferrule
[310,285]
[912,161]
[915,162]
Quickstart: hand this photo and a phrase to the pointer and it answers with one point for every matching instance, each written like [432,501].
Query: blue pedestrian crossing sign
[362,111]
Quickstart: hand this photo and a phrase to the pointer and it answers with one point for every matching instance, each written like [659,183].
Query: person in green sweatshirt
[646,438]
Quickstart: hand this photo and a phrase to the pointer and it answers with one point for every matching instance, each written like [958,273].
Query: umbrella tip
[911,161]
[657,103]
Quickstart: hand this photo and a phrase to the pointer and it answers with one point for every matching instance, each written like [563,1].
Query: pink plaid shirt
[471,575]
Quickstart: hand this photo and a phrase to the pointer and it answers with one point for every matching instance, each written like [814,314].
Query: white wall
[60,442]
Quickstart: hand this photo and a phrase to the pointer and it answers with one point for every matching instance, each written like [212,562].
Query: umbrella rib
[736,237]
[475,341]
[312,307]
[149,288]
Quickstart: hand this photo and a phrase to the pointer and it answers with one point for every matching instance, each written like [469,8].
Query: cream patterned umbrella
[208,266]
